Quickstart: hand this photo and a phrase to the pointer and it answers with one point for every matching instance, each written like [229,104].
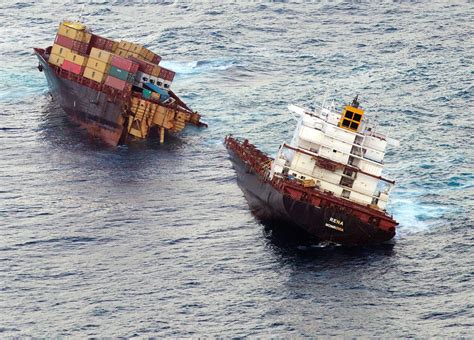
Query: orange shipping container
[97,65]
[76,59]
[101,55]
[56,59]
[75,31]
[60,50]
[94,75]
[124,45]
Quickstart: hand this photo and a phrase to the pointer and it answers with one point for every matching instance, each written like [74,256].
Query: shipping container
[143,66]
[98,42]
[60,50]
[156,59]
[116,83]
[80,47]
[97,65]
[124,45]
[155,95]
[75,31]
[120,74]
[94,75]
[111,46]
[122,53]
[171,75]
[71,67]
[64,41]
[76,59]
[56,59]
[147,94]
[156,71]
[124,64]
[101,55]
[102,43]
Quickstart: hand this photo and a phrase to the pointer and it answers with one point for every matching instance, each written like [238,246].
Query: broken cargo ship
[326,181]
[117,90]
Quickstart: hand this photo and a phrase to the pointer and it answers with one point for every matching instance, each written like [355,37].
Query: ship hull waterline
[85,106]
[324,223]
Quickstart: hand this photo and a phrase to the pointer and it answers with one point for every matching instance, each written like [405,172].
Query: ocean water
[149,240]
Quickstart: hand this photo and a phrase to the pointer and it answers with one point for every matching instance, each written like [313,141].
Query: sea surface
[150,240]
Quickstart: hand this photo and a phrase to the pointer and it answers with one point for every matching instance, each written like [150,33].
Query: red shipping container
[116,83]
[101,43]
[97,42]
[63,41]
[156,59]
[163,73]
[143,66]
[80,47]
[71,67]
[124,64]
[171,75]
[109,45]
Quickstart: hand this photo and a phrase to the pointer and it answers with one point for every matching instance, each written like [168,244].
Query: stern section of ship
[328,223]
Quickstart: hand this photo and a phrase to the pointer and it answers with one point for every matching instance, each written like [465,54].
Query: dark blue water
[150,240]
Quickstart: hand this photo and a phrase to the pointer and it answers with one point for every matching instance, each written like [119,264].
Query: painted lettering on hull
[335,224]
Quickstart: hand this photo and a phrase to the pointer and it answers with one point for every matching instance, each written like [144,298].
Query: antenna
[80,15]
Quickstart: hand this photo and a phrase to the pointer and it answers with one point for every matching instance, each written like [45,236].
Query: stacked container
[127,49]
[121,74]
[102,43]
[71,47]
[98,65]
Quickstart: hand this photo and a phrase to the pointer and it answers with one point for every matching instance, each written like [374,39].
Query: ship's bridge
[340,152]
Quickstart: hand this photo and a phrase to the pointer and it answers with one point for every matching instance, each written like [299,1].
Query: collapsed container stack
[125,70]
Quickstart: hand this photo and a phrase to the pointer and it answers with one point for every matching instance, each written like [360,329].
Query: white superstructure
[337,152]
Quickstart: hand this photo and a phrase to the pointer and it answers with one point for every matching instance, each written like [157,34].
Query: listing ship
[117,90]
[327,181]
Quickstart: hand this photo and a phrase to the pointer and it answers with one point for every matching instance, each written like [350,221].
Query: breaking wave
[198,67]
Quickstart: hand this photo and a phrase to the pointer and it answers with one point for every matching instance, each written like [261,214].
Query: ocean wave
[198,67]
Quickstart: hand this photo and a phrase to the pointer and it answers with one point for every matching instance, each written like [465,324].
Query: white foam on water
[416,217]
[197,67]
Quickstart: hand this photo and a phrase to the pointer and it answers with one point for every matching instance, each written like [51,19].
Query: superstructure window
[357,117]
[145,79]
[345,193]
[346,123]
